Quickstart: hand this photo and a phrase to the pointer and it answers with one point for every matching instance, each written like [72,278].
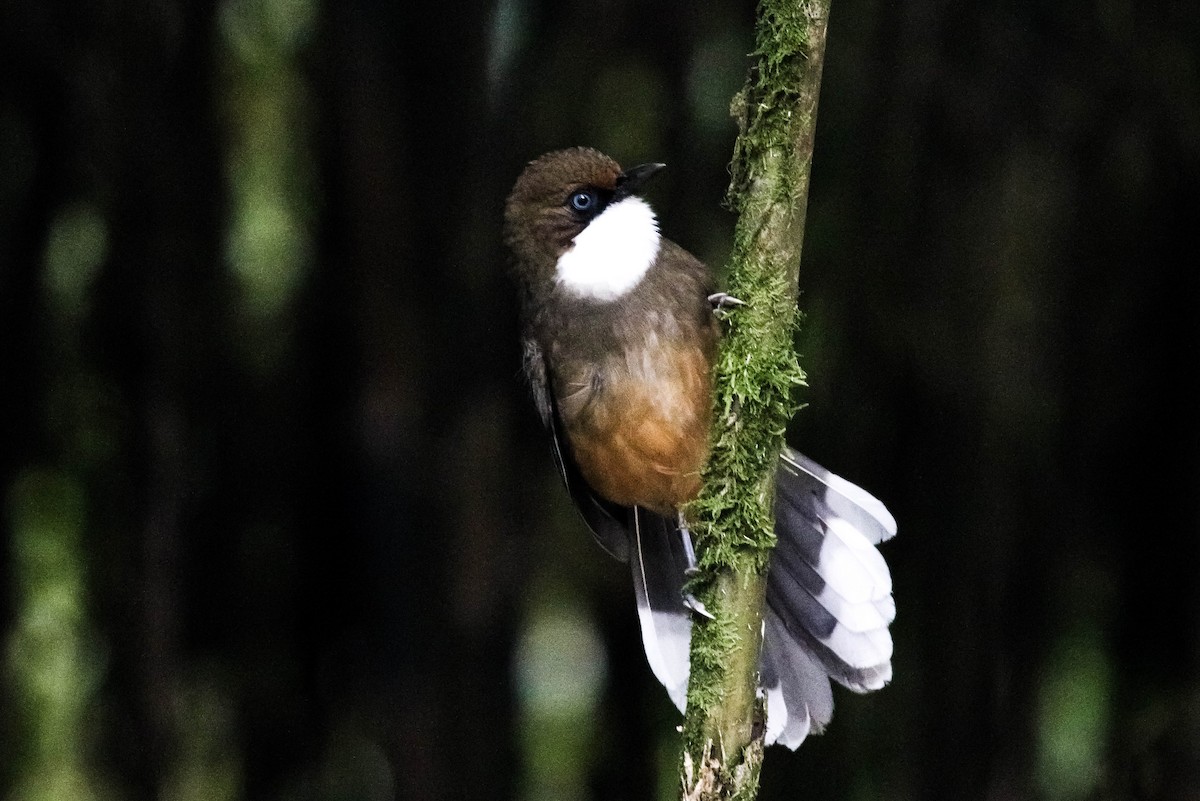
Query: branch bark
[756,374]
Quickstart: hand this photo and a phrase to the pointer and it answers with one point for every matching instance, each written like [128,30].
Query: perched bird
[619,339]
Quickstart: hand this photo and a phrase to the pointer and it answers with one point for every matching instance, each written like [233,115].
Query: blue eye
[583,201]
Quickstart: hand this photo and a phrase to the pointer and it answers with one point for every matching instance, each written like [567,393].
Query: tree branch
[756,373]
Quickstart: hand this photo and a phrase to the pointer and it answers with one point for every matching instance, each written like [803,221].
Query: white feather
[852,564]
[855,616]
[666,629]
[610,256]
[861,650]
[850,501]
[665,639]
[777,714]
[860,584]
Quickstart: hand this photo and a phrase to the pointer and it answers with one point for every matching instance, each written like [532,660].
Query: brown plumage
[629,379]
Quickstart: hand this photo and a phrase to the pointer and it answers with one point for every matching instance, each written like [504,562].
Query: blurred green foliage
[559,672]
[53,660]
[269,237]
[1076,717]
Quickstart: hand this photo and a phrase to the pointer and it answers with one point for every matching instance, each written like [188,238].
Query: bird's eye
[583,201]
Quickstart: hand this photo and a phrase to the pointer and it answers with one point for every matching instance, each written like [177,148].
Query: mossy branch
[756,376]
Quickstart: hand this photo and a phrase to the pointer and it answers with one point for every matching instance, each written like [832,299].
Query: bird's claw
[691,570]
[693,603]
[723,300]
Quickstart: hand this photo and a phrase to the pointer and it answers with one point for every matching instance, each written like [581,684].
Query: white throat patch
[610,256]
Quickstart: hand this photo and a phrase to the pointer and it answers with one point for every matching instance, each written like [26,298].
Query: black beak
[632,179]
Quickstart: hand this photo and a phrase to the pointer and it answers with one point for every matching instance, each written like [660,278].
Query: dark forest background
[278,521]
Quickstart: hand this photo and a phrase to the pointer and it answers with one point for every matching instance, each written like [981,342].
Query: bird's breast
[638,422]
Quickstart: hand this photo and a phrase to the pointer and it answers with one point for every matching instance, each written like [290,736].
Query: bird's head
[574,221]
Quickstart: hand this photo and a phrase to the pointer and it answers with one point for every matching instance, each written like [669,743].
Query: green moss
[757,373]
[756,376]
[757,370]
[776,111]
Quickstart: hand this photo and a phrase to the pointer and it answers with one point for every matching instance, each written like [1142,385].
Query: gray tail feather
[829,599]
[799,699]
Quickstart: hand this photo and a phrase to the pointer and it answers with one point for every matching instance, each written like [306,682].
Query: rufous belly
[641,437]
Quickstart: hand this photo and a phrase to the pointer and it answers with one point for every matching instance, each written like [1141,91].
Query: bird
[619,336]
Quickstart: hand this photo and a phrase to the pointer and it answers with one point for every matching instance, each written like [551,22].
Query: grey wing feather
[604,519]
[533,363]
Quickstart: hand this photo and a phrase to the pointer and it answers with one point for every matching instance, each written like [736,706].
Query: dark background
[278,521]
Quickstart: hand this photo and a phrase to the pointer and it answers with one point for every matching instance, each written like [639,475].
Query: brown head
[555,199]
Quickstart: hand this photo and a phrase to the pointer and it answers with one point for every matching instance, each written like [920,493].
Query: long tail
[829,599]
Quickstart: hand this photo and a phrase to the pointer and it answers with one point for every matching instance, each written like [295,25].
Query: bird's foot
[691,570]
[723,300]
[693,603]
[689,552]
